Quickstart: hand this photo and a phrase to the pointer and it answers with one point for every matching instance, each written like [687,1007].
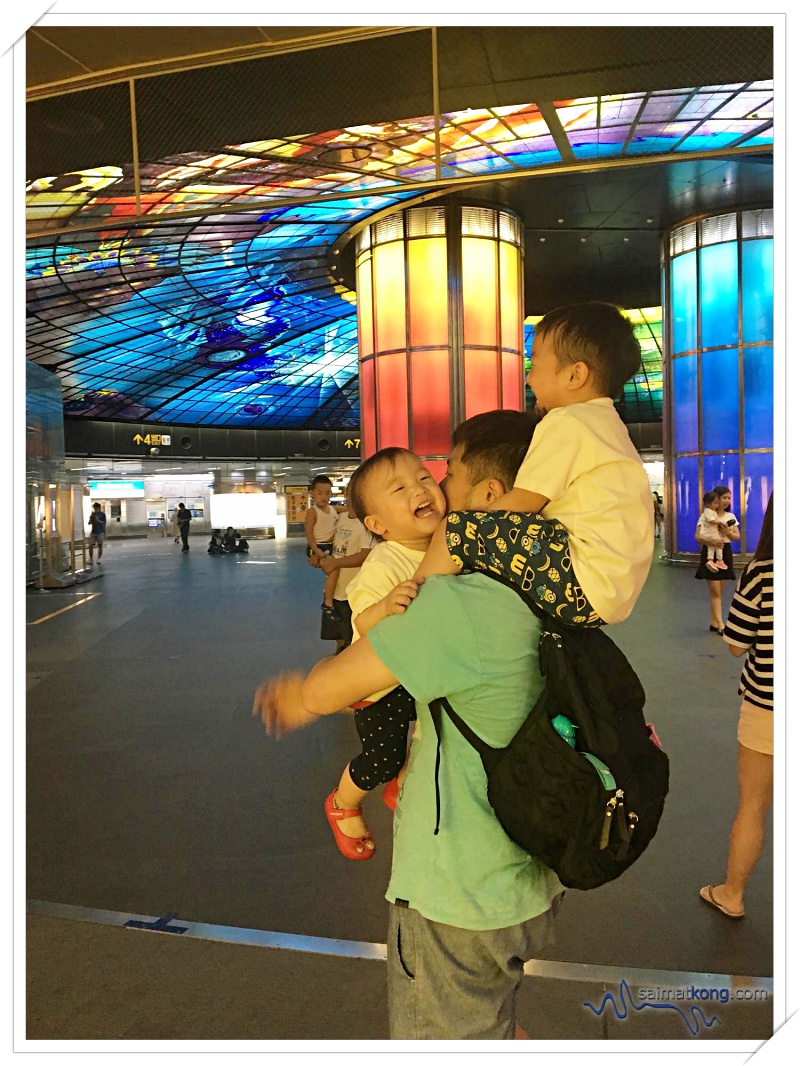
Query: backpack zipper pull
[606,831]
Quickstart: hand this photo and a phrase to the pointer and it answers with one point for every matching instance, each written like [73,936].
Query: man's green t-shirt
[472,640]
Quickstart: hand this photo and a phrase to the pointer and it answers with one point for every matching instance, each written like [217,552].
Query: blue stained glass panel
[758,397]
[757,489]
[684,303]
[686,502]
[721,470]
[684,403]
[757,291]
[720,393]
[719,295]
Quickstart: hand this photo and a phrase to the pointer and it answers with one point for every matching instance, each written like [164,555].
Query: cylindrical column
[439,324]
[718,326]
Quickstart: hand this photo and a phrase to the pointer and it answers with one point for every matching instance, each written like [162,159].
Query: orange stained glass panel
[430,402]
[368,413]
[366,342]
[479,291]
[392,395]
[510,302]
[438,467]
[427,291]
[389,279]
[481,382]
[513,394]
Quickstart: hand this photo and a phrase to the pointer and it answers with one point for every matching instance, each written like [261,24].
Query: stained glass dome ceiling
[232,316]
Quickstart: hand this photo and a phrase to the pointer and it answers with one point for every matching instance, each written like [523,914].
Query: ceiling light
[542,240]
[626,239]
[561,220]
[583,240]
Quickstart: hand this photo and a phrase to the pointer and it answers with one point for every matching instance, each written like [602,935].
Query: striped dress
[749,626]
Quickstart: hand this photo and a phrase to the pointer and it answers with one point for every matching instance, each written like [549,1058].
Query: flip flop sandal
[707,896]
[347,845]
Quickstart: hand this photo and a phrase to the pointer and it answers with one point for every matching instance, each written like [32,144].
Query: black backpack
[551,799]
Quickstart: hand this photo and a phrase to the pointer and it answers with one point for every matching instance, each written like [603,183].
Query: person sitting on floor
[215,545]
[232,542]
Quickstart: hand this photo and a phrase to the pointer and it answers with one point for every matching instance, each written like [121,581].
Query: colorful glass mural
[235,318]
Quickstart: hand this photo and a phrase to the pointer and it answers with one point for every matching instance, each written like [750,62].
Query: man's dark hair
[359,482]
[598,334]
[321,479]
[96,504]
[709,497]
[495,443]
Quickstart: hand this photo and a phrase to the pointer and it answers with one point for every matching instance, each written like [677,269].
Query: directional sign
[153,439]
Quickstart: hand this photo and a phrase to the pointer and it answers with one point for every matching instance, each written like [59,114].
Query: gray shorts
[96,538]
[447,983]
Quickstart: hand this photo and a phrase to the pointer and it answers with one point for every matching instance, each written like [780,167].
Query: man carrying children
[468,907]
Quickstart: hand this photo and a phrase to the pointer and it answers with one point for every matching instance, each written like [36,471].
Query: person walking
[749,631]
[729,530]
[184,516]
[97,525]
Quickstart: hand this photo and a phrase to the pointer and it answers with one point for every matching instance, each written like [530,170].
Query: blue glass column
[718,337]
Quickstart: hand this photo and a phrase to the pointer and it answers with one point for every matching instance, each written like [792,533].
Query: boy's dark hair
[709,497]
[599,335]
[359,480]
[321,479]
[495,443]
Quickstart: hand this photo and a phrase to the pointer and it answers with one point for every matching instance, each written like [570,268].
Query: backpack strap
[487,753]
[483,749]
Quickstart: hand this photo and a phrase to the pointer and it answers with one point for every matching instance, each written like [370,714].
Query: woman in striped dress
[748,631]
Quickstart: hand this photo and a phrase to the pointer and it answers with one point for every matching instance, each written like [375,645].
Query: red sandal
[391,794]
[347,845]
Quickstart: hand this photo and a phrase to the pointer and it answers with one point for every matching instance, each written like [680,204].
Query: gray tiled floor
[151,789]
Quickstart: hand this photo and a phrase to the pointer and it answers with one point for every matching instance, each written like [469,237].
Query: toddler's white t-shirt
[387,565]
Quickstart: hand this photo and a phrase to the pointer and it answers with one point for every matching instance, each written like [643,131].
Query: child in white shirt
[320,525]
[399,502]
[576,531]
[711,526]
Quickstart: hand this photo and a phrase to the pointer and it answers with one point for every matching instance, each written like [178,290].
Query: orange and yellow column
[439,324]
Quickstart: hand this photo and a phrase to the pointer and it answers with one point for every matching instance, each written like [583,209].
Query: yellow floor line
[84,599]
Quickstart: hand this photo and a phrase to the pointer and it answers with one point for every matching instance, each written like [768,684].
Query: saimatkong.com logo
[685,1001]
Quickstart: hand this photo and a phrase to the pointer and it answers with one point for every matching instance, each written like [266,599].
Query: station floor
[152,792]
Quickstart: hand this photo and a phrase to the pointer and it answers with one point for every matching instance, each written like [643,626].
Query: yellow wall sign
[153,438]
[353,443]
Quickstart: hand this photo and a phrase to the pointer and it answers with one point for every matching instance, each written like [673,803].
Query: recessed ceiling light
[583,240]
[649,220]
[561,220]
[626,239]
[542,240]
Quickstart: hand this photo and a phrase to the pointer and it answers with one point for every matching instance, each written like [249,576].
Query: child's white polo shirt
[583,460]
